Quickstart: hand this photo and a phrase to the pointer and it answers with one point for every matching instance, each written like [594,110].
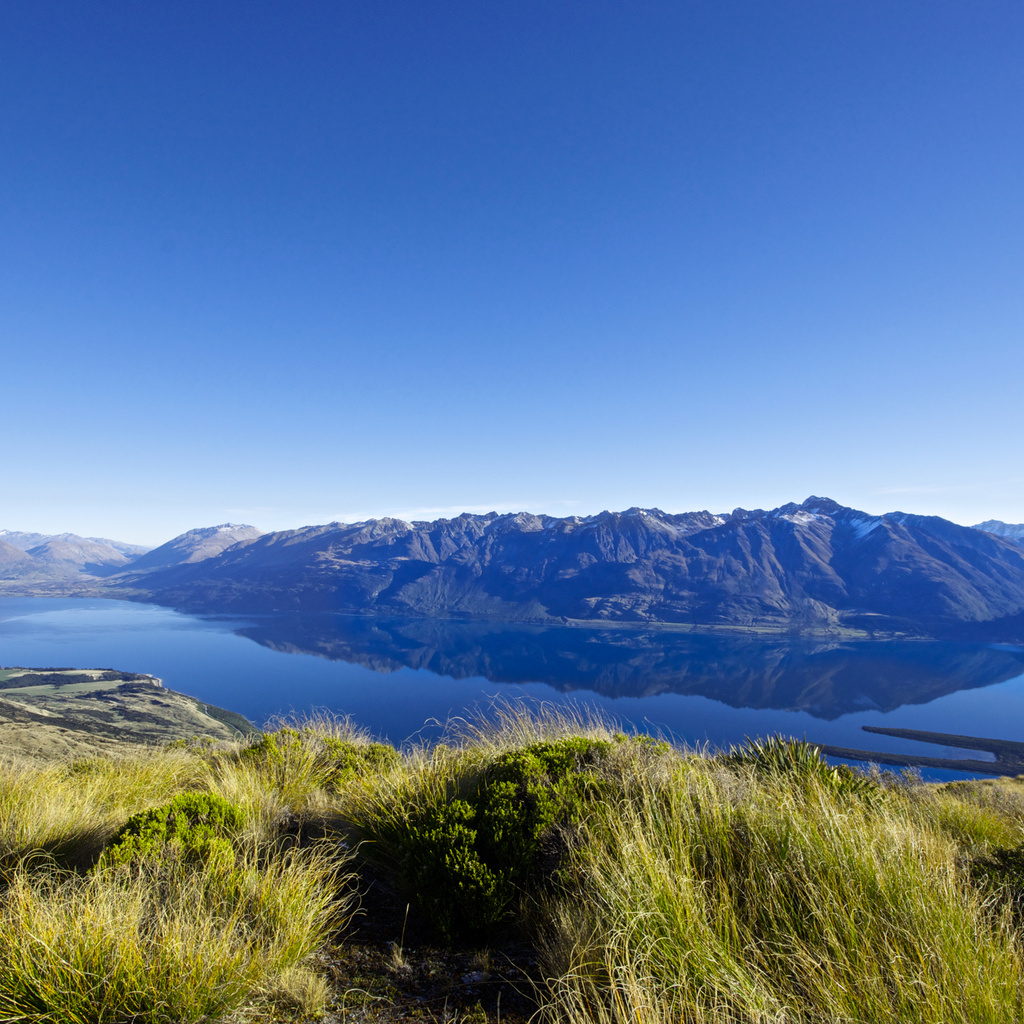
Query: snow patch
[802,517]
[863,527]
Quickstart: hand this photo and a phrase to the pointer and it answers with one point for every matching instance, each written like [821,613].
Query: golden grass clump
[69,810]
[789,903]
[167,937]
[162,945]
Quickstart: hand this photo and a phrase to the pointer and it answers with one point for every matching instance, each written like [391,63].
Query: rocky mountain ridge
[817,565]
[813,566]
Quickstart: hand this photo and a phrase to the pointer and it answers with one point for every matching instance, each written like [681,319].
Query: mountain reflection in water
[825,678]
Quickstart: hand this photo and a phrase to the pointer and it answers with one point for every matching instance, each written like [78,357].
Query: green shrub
[465,859]
[320,758]
[444,869]
[196,827]
[347,758]
[1001,872]
[274,748]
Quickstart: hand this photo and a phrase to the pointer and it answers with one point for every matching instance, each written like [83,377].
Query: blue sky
[290,262]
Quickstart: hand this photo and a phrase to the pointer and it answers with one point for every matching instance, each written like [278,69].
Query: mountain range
[814,566]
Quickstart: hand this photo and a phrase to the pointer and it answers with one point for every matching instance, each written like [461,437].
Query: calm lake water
[395,676]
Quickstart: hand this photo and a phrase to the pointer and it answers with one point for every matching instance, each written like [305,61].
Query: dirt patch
[389,968]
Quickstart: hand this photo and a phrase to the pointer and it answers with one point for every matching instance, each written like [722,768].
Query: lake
[398,678]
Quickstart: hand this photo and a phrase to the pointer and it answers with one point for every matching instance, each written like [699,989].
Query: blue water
[400,678]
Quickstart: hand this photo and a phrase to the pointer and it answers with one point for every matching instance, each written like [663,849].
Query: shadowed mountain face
[816,566]
[825,679]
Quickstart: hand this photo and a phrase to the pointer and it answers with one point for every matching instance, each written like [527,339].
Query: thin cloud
[973,487]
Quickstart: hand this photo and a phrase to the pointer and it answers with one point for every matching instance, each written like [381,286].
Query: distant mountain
[27,541]
[814,566]
[24,541]
[79,553]
[195,546]
[1009,531]
[11,555]
[64,563]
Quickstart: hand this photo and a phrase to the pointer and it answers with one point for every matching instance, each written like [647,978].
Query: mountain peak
[196,546]
[823,506]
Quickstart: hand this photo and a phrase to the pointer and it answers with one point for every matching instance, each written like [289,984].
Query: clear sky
[294,261]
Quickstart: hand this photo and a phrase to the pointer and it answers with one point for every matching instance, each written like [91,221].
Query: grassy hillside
[543,866]
[46,714]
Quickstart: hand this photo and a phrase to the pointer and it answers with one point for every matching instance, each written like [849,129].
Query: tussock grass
[745,899]
[179,933]
[167,945]
[657,884]
[69,810]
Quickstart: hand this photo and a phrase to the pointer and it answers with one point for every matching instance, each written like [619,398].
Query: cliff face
[815,565]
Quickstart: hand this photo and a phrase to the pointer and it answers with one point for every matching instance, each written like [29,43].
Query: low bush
[193,827]
[300,760]
[468,854]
